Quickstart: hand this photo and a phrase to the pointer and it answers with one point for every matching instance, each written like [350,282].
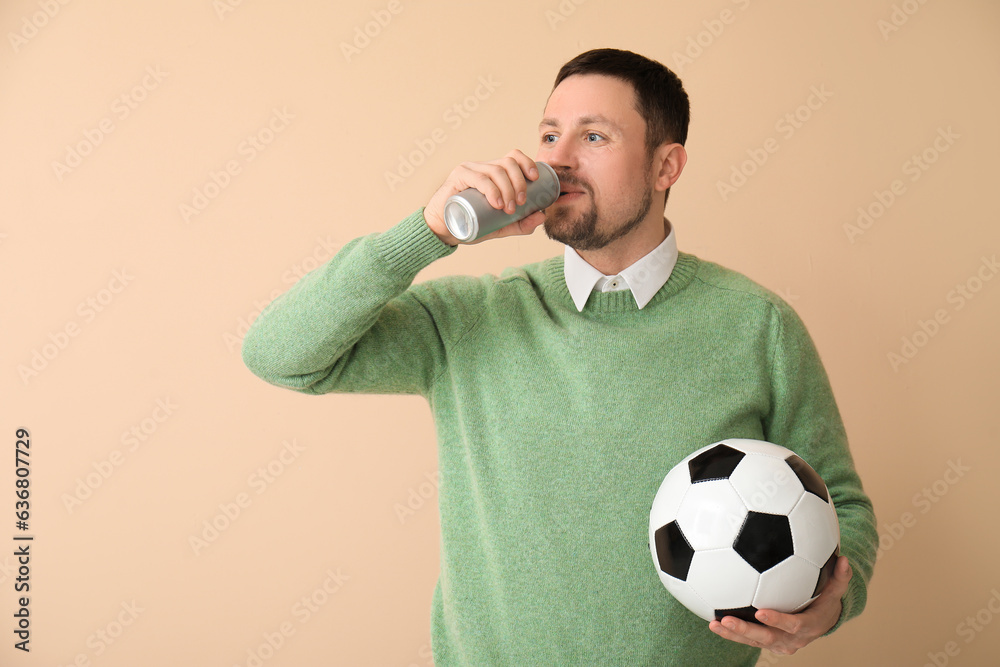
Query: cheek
[614,191]
[613,173]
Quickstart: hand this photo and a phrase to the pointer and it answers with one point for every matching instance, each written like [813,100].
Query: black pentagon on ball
[673,551]
[810,479]
[745,613]
[764,540]
[719,462]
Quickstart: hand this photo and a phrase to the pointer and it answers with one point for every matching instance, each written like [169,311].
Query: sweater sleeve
[355,324]
[804,418]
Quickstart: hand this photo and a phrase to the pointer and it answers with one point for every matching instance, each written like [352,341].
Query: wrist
[447,239]
[440,231]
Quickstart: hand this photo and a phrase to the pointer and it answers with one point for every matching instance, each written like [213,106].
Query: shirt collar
[645,277]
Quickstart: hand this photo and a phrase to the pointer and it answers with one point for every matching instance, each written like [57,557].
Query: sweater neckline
[621,301]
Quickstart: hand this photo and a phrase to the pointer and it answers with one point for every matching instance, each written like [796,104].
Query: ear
[668,163]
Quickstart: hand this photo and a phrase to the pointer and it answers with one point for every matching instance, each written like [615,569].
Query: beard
[581,233]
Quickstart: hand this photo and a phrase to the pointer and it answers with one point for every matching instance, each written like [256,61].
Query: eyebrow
[584,120]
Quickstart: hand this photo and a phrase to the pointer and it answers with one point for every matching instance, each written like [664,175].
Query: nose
[559,154]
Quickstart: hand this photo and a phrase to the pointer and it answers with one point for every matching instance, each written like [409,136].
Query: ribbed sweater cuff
[410,245]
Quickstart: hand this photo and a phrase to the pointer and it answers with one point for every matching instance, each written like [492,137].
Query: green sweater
[555,429]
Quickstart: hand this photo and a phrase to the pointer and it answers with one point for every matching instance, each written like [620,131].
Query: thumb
[844,570]
[533,221]
[842,574]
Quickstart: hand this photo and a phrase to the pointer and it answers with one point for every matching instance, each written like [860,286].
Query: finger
[531,223]
[489,178]
[751,634]
[758,636]
[844,569]
[515,174]
[789,623]
[527,165]
[838,583]
[503,182]
[724,632]
[506,177]
[535,220]
[527,170]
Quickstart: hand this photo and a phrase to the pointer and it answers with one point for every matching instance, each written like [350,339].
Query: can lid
[460,219]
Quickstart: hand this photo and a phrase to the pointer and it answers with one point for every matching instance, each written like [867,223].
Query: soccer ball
[742,525]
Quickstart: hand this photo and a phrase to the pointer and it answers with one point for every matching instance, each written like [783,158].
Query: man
[564,390]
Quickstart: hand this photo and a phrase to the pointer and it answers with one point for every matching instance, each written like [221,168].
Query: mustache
[567,179]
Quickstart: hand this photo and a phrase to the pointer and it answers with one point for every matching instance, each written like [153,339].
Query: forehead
[586,98]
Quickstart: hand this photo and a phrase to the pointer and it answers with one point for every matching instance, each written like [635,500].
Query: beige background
[351,503]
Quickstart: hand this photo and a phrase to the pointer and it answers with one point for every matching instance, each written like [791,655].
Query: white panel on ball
[786,584]
[758,447]
[711,515]
[767,484]
[815,529]
[675,485]
[724,578]
[687,597]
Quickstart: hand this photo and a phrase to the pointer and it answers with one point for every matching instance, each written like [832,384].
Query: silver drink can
[469,216]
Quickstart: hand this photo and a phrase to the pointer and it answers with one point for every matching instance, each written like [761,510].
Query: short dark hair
[660,97]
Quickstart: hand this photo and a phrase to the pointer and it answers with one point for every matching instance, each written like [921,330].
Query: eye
[594,134]
[545,138]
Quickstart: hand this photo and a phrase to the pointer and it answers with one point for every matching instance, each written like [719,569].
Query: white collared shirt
[645,277]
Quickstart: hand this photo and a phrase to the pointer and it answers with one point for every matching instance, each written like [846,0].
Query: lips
[569,191]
